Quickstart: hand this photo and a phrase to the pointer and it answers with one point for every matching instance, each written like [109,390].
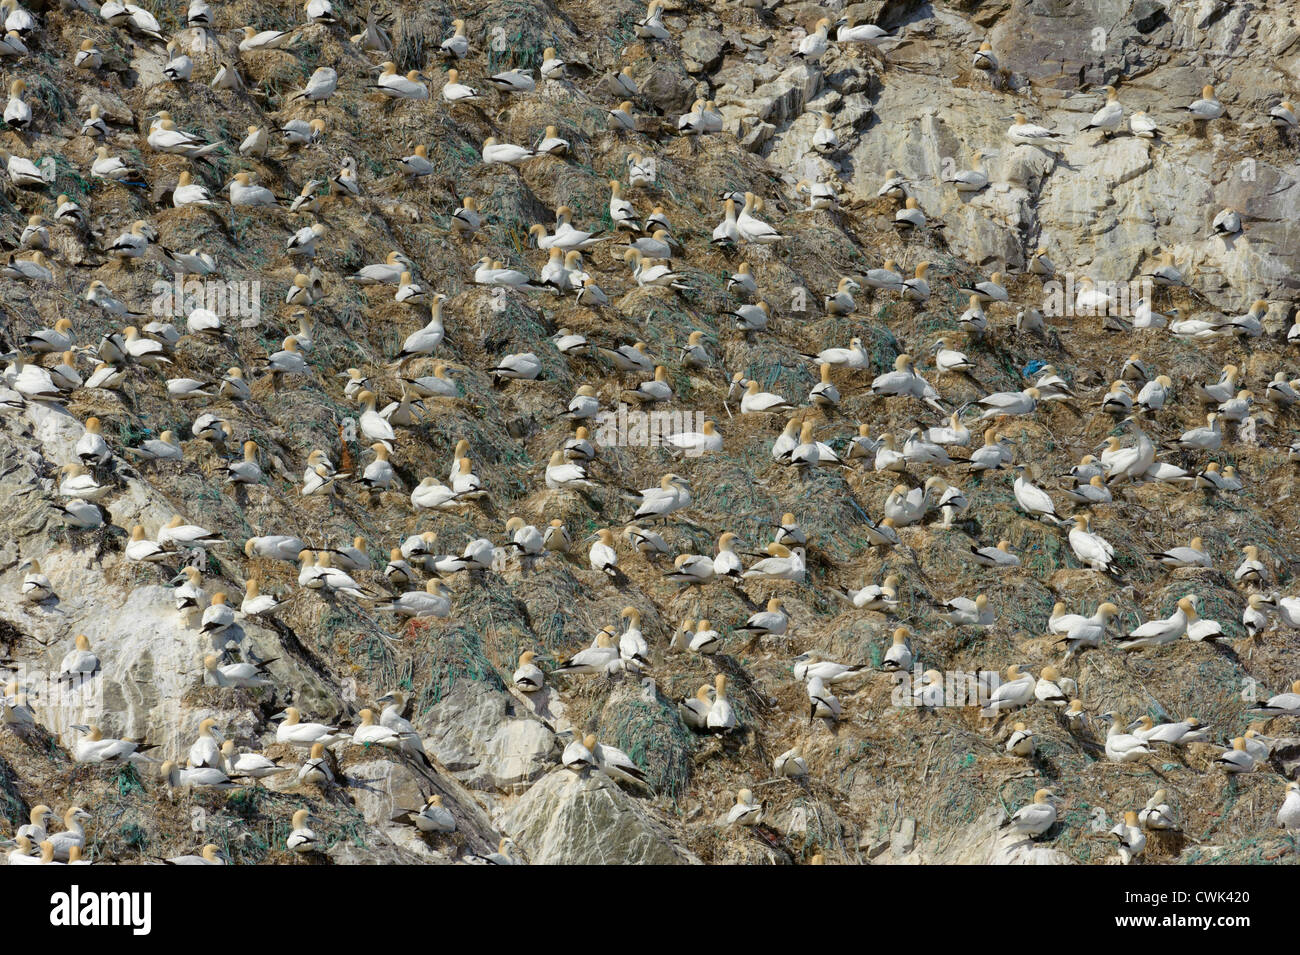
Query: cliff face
[886,783]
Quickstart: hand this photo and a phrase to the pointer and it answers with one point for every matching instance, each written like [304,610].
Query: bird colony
[567,432]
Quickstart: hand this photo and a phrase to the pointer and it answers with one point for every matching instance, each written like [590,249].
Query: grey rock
[571,819]
[702,49]
[519,752]
[1147,15]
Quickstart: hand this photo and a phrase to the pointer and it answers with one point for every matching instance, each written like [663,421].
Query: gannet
[1154,394]
[821,702]
[790,764]
[1132,840]
[291,730]
[1118,400]
[726,232]
[577,757]
[91,448]
[79,664]
[176,534]
[1207,107]
[1155,633]
[1283,704]
[652,26]
[813,46]
[248,675]
[1122,747]
[433,816]
[315,770]
[753,229]
[811,664]
[14,710]
[1021,741]
[1183,732]
[1054,689]
[1237,759]
[1015,692]
[1109,117]
[35,235]
[250,765]
[552,66]
[244,193]
[528,677]
[704,638]
[672,494]
[1251,324]
[93,747]
[1255,617]
[1035,817]
[284,547]
[33,269]
[1251,570]
[166,138]
[691,569]
[1288,816]
[35,831]
[752,317]
[991,290]
[1280,391]
[821,195]
[1023,132]
[26,174]
[1208,438]
[457,44]
[188,593]
[746,812]
[217,618]
[1000,556]
[17,114]
[1143,126]
[11,44]
[74,836]
[647,542]
[882,597]
[140,549]
[774,621]
[1283,116]
[1092,550]
[302,839]
[1193,555]
[910,216]
[782,563]
[1157,815]
[594,659]
[615,763]
[789,533]
[694,710]
[984,58]
[721,717]
[205,750]
[78,483]
[906,506]
[917,288]
[1226,223]
[1034,501]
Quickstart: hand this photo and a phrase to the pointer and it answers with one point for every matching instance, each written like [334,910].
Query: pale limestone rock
[566,818]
